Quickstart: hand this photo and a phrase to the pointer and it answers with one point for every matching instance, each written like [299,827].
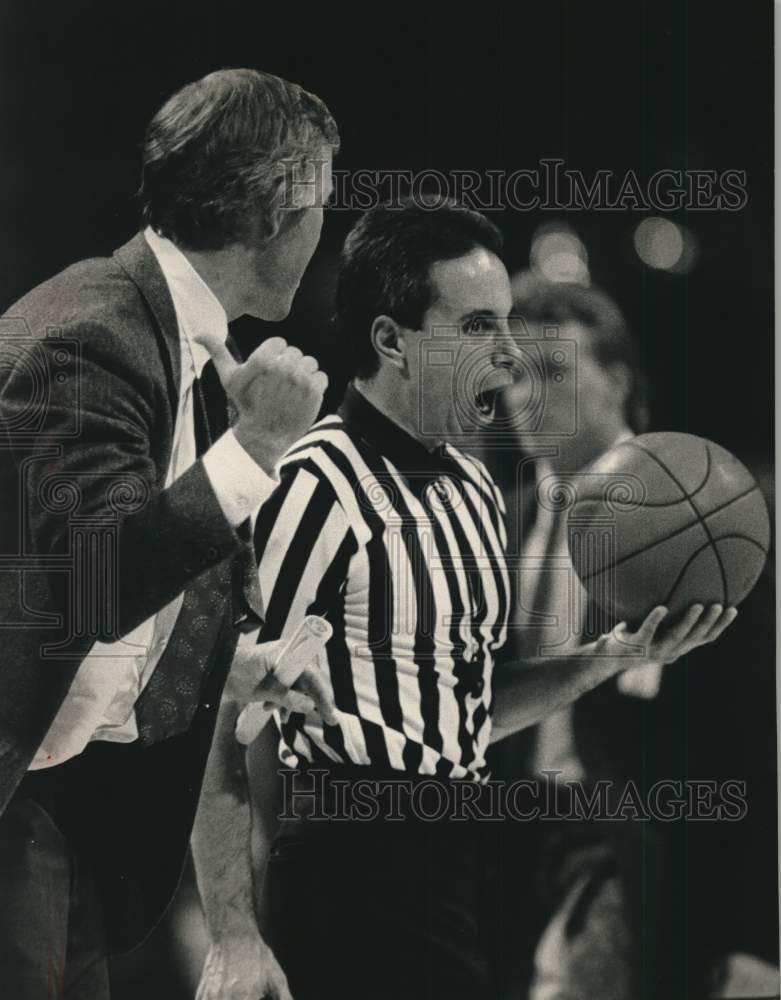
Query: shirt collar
[199,313]
[371,425]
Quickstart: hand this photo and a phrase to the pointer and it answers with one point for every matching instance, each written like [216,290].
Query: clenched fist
[277,393]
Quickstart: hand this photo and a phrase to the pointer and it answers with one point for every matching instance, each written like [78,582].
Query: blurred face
[593,410]
[455,360]
[268,271]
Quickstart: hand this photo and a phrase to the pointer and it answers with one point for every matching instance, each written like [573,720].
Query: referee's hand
[659,644]
[251,679]
[242,967]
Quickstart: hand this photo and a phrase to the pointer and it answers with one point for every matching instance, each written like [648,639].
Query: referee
[397,538]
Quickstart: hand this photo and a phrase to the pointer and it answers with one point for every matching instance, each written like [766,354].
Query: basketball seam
[678,531]
[708,467]
[706,545]
[600,498]
[742,538]
[694,507]
[710,543]
[698,489]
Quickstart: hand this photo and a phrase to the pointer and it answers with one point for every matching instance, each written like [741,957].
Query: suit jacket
[91,545]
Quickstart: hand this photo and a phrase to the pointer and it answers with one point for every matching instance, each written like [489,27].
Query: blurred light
[559,255]
[666,245]
[659,243]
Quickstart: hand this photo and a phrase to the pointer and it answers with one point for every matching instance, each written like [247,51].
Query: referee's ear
[389,341]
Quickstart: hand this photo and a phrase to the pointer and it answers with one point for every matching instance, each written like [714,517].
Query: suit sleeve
[90,463]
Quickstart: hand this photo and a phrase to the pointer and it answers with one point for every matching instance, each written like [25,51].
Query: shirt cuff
[239,483]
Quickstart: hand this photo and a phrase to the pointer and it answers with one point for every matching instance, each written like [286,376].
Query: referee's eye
[476,326]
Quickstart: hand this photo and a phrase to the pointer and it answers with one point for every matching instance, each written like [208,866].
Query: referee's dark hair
[216,153]
[555,303]
[386,263]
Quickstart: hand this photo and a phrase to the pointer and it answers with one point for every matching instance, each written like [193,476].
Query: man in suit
[126,573]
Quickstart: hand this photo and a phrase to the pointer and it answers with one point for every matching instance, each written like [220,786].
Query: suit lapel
[140,264]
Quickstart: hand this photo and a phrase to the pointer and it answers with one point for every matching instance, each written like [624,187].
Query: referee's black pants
[385,909]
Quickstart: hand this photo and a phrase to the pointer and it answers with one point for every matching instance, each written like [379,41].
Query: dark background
[604,86]
[635,85]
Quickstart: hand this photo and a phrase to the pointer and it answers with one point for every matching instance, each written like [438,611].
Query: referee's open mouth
[485,401]
[499,377]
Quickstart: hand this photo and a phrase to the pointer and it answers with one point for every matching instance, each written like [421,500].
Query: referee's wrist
[233,919]
[252,664]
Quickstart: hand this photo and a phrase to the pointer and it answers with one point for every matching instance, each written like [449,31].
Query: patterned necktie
[167,704]
[221,413]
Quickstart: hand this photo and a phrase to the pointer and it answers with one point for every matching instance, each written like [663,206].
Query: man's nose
[505,352]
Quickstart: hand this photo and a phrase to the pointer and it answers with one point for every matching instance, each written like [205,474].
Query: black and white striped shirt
[402,550]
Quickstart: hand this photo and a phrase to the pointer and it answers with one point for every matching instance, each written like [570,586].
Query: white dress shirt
[101,701]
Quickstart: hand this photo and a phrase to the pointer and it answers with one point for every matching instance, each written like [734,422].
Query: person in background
[606,921]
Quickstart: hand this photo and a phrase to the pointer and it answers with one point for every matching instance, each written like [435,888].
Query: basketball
[667,519]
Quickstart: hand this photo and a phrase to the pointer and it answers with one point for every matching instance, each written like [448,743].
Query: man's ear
[279,216]
[276,221]
[387,336]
